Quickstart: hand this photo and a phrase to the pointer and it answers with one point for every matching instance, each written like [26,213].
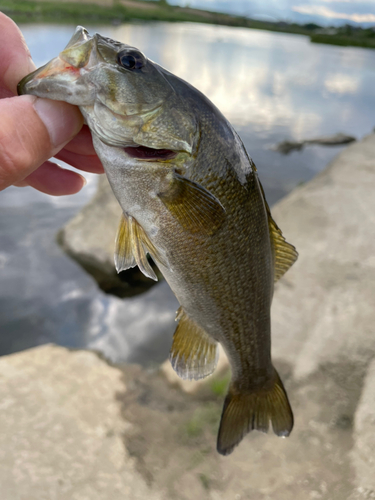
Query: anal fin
[132,246]
[194,354]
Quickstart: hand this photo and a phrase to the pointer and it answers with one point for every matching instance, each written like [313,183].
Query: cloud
[326,12]
[348,1]
[341,83]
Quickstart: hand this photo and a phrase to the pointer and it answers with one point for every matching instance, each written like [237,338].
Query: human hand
[34,129]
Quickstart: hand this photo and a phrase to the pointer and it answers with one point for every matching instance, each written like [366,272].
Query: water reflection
[270,86]
[264,79]
[256,78]
[46,297]
[340,83]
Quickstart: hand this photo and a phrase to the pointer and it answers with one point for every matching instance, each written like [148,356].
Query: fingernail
[63,121]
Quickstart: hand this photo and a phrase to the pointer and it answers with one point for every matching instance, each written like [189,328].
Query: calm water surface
[271,87]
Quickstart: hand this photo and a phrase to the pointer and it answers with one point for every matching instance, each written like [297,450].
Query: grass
[204,418]
[80,13]
[219,385]
[345,41]
[28,11]
[205,481]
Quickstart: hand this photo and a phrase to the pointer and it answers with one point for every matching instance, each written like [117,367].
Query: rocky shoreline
[73,426]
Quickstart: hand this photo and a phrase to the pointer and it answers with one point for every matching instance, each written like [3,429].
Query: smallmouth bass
[191,198]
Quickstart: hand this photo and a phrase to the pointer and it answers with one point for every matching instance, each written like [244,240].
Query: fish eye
[130,59]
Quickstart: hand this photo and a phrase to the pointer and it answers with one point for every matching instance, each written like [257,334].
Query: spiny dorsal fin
[196,209]
[285,253]
[245,411]
[132,245]
[194,354]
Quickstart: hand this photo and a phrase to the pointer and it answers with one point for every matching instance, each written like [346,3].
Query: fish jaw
[64,77]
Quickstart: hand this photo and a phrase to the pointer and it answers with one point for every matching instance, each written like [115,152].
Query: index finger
[15,60]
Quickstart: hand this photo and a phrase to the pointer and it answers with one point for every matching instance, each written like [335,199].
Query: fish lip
[57,80]
[26,79]
[55,68]
[70,61]
[81,34]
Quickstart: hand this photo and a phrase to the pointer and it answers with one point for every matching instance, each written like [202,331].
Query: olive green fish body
[191,199]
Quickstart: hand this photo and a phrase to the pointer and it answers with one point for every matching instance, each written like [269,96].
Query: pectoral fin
[132,246]
[194,353]
[196,209]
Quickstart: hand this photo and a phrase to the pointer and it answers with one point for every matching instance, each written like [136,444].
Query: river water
[271,87]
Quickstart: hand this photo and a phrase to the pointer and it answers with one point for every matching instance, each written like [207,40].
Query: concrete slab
[61,429]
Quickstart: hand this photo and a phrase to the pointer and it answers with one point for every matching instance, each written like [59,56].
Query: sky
[323,12]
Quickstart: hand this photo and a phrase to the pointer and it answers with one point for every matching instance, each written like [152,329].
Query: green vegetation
[346,36]
[23,11]
[204,418]
[344,41]
[83,13]
[219,385]
[205,481]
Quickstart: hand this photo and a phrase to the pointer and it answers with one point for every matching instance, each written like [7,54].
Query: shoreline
[33,11]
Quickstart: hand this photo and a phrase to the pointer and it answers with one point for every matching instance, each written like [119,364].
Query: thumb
[31,131]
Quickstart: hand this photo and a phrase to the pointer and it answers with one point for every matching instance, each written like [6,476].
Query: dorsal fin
[132,246]
[285,253]
[194,354]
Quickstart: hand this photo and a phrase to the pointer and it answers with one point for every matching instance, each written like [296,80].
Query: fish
[191,199]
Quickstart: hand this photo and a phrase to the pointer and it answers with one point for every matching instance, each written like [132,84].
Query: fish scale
[191,198]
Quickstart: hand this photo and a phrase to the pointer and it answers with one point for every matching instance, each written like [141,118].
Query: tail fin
[245,411]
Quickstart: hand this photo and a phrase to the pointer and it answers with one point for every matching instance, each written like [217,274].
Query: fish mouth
[59,78]
[149,154]
[86,74]
[48,72]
